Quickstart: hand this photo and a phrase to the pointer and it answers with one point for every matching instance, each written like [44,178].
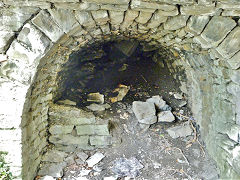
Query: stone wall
[37,37]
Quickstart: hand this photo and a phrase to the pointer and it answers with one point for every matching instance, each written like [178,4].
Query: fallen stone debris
[122,91]
[96,97]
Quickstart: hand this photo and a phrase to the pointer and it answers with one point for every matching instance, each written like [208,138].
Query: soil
[162,156]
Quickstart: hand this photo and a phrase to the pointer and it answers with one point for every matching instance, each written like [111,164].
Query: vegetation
[5,173]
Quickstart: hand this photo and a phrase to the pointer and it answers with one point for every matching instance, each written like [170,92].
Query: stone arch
[203,35]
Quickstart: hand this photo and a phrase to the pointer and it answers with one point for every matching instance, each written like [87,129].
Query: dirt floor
[161,156]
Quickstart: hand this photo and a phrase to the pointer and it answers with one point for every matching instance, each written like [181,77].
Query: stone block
[227,5]
[13,18]
[116,17]
[52,169]
[85,18]
[54,156]
[36,4]
[100,17]
[231,44]
[105,29]
[156,20]
[67,139]
[175,23]
[77,6]
[70,116]
[100,141]
[107,1]
[114,7]
[198,10]
[61,129]
[47,25]
[143,17]
[130,15]
[138,4]
[5,40]
[34,39]
[234,12]
[234,61]
[102,129]
[217,29]
[64,18]
[196,24]
[168,13]
[166,116]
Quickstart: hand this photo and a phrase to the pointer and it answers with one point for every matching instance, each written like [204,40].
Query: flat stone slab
[158,102]
[54,156]
[180,131]
[94,159]
[102,129]
[145,112]
[166,116]
[52,169]
[98,107]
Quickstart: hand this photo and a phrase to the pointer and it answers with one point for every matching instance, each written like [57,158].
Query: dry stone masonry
[37,37]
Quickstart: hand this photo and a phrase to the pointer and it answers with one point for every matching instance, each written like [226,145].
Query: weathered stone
[61,129]
[85,18]
[98,107]
[105,29]
[83,156]
[52,169]
[199,10]
[67,139]
[168,13]
[47,25]
[197,23]
[67,102]
[36,4]
[107,1]
[158,102]
[77,6]
[217,29]
[235,61]
[127,48]
[116,17]
[137,4]
[70,115]
[180,131]
[233,12]
[100,17]
[230,45]
[54,156]
[114,7]
[34,39]
[93,130]
[47,178]
[165,116]
[143,17]
[130,15]
[5,39]
[13,18]
[145,112]
[64,18]
[96,97]
[175,23]
[156,20]
[100,141]
[234,133]
[94,159]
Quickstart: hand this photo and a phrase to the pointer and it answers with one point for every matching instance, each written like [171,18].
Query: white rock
[180,131]
[178,96]
[47,178]
[98,107]
[96,158]
[166,116]
[110,178]
[83,156]
[158,101]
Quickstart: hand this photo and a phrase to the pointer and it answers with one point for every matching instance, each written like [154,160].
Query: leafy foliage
[5,173]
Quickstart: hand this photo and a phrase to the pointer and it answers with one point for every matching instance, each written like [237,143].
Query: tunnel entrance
[120,111]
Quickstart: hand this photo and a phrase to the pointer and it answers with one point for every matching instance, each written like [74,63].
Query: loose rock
[180,131]
[178,95]
[67,102]
[83,156]
[166,116]
[158,102]
[96,158]
[96,97]
[127,167]
[98,107]
[47,178]
[145,112]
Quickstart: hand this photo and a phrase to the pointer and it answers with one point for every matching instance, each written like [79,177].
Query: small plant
[5,173]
